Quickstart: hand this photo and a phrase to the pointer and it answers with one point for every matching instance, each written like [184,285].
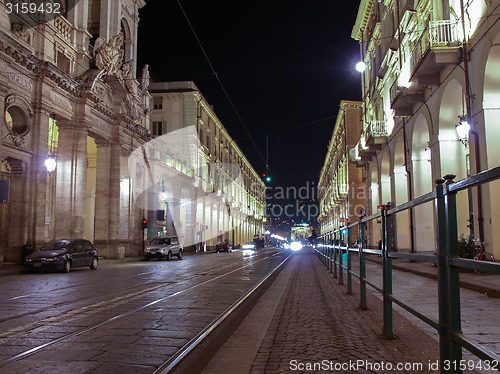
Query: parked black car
[63,255]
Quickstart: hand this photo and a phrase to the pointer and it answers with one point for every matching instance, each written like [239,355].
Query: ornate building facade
[72,114]
[219,195]
[342,192]
[430,66]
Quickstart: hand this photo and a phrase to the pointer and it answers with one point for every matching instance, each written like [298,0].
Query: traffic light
[267,178]
[144,223]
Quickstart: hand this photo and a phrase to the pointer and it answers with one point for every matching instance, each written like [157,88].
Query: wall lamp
[463,130]
[50,164]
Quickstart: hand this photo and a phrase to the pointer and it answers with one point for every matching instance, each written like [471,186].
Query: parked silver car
[163,248]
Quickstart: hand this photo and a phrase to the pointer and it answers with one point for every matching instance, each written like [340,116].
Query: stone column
[107,200]
[17,211]
[101,230]
[71,180]
[41,199]
[128,225]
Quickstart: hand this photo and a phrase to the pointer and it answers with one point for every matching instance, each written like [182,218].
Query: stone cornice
[24,57]
[362,19]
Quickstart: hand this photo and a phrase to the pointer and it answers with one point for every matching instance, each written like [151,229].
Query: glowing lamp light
[360,66]
[463,129]
[427,154]
[295,246]
[163,196]
[50,164]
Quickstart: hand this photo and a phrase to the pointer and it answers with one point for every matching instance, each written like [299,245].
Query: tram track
[130,297]
[140,288]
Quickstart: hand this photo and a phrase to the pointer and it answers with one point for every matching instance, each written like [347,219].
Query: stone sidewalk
[317,328]
[488,284]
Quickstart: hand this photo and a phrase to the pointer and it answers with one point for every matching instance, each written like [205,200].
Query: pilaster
[17,210]
[71,180]
[107,200]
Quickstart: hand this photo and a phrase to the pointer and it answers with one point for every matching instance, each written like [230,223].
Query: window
[16,121]
[159,128]
[94,18]
[87,246]
[53,136]
[158,102]
[63,62]
[78,246]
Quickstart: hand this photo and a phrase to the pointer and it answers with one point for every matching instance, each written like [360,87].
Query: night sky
[285,66]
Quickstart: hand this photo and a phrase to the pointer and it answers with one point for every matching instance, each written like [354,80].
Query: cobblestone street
[317,323]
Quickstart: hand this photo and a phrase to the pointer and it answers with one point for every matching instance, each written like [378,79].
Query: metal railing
[451,338]
[377,129]
[437,35]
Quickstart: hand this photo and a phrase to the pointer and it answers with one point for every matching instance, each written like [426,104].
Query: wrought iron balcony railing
[438,35]
[377,129]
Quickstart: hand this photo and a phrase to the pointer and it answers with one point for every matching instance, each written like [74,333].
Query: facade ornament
[5,166]
[126,74]
[16,166]
[17,139]
[20,30]
[109,56]
[145,78]
[131,108]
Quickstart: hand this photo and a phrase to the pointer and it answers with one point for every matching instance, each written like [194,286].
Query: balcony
[361,155]
[376,135]
[437,47]
[404,98]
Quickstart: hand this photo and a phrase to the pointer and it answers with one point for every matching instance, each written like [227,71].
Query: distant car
[63,255]
[223,246]
[249,245]
[163,248]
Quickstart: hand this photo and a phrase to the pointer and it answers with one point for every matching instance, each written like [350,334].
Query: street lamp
[428,154]
[163,196]
[360,66]
[50,164]
[463,129]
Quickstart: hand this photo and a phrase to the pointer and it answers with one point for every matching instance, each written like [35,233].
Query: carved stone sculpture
[109,56]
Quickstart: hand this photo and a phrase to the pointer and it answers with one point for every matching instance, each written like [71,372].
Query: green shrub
[465,246]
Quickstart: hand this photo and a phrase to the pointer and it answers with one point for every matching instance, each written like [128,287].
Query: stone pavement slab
[317,328]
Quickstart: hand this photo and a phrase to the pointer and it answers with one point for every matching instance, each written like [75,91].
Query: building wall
[417,83]
[58,72]
[227,208]
[342,191]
